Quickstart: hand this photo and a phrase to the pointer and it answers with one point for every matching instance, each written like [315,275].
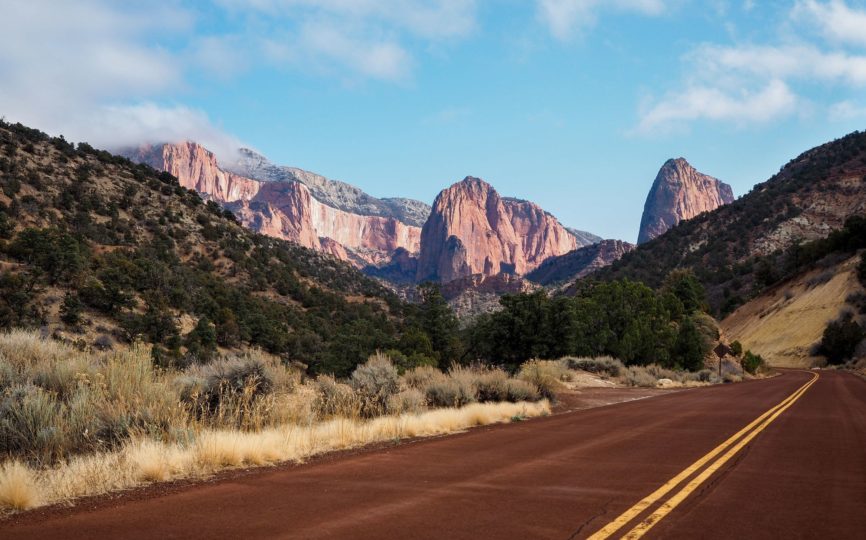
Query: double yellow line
[744,436]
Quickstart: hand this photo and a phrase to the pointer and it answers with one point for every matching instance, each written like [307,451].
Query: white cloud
[757,83]
[847,110]
[700,102]
[88,70]
[564,18]
[96,70]
[790,61]
[834,20]
[367,37]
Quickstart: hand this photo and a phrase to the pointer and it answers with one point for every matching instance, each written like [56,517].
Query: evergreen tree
[70,309]
[689,350]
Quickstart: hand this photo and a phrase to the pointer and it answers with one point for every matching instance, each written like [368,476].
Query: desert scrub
[638,376]
[141,461]
[450,392]
[51,409]
[546,375]
[74,424]
[375,382]
[335,399]
[602,365]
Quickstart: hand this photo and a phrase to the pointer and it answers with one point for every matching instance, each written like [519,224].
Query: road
[799,472]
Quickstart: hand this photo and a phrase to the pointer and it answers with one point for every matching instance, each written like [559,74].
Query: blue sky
[573,104]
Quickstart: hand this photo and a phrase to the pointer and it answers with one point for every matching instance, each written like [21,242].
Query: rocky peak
[680,192]
[334,193]
[473,230]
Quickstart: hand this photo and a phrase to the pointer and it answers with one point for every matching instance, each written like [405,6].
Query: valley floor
[798,472]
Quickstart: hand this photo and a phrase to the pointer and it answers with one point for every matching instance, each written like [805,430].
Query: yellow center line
[650,499]
[680,496]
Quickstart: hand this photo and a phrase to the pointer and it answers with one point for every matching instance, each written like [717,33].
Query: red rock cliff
[472,230]
[680,192]
[284,210]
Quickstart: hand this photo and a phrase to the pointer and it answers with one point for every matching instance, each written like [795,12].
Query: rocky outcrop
[579,263]
[196,168]
[286,207]
[471,296]
[472,230]
[333,193]
[680,192]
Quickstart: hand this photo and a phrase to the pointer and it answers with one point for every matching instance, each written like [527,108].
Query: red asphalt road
[563,476]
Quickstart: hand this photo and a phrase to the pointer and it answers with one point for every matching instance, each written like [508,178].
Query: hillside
[741,248]
[100,250]
[579,262]
[784,324]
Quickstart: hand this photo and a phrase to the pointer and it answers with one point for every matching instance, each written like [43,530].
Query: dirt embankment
[783,324]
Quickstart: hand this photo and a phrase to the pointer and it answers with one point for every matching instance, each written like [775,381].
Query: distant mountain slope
[579,263]
[742,247]
[100,249]
[680,192]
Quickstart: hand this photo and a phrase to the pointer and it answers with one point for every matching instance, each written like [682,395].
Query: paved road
[799,472]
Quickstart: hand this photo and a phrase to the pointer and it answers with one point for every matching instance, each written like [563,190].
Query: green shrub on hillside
[752,362]
[840,339]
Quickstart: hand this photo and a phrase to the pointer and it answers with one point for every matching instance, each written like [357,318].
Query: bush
[421,377]
[335,399]
[638,376]
[736,348]
[518,390]
[70,309]
[450,392]
[407,401]
[601,365]
[840,339]
[491,385]
[545,375]
[225,391]
[375,382]
[752,362]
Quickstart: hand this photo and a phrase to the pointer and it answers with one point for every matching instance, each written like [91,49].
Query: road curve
[565,476]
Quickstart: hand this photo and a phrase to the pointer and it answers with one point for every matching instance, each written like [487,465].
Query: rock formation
[680,192]
[472,230]
[579,263]
[343,221]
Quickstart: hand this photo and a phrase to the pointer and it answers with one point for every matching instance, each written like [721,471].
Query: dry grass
[18,487]
[144,461]
[782,328]
[75,424]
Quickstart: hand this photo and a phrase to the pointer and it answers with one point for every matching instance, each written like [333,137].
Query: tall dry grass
[74,424]
[143,461]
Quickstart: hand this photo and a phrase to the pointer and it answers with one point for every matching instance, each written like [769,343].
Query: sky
[572,104]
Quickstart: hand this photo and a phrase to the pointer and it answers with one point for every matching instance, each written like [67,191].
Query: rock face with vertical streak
[680,192]
[472,230]
[286,207]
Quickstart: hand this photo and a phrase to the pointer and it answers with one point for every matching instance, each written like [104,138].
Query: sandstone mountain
[473,230]
[740,249]
[579,263]
[293,204]
[680,192]
[333,193]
